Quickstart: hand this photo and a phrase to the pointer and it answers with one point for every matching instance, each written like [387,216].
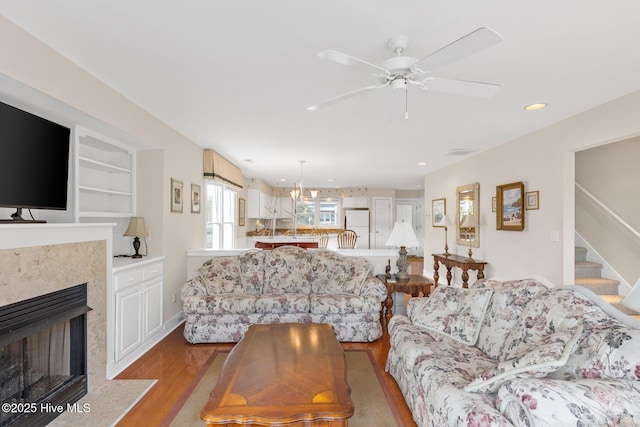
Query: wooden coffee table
[293,374]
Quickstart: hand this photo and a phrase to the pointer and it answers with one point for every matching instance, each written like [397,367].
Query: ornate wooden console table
[461,262]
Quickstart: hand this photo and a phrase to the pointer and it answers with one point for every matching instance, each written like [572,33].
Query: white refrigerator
[358,221]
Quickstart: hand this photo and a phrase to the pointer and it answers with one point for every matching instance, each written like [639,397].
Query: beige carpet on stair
[372,407]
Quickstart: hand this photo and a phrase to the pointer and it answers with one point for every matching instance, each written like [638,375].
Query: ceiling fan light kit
[400,71]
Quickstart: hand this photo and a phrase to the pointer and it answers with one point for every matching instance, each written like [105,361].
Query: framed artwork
[493,204]
[533,200]
[195,198]
[242,205]
[438,211]
[176,195]
[510,207]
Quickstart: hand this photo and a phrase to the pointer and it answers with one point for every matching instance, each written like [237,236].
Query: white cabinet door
[259,204]
[128,320]
[253,203]
[285,207]
[355,202]
[152,307]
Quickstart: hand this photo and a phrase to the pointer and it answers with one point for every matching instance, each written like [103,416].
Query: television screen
[34,161]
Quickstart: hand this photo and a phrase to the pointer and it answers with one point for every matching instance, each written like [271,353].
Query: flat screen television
[34,162]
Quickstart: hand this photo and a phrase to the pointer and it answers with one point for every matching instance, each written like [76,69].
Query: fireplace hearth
[43,356]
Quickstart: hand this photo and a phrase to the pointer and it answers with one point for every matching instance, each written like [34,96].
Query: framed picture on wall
[510,207]
[242,205]
[533,200]
[438,211]
[177,195]
[493,204]
[195,198]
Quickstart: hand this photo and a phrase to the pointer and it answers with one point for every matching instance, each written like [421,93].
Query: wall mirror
[468,215]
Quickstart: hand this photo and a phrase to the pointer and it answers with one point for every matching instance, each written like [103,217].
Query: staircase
[588,275]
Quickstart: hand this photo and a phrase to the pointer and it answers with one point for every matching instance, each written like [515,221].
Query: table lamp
[469,222]
[445,222]
[136,229]
[402,235]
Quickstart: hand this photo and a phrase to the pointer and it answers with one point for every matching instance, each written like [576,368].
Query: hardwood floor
[175,363]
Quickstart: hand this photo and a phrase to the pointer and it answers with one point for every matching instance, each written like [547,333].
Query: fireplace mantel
[29,235]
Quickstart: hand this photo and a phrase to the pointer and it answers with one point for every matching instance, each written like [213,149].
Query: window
[220,211]
[318,212]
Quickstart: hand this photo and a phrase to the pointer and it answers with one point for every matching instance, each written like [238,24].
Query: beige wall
[610,173]
[543,161]
[28,61]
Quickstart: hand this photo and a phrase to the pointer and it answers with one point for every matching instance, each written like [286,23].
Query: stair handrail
[609,211]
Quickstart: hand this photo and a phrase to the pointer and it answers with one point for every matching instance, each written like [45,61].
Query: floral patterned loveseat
[516,353]
[284,285]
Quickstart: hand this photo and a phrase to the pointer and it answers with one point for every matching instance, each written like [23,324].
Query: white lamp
[469,222]
[445,222]
[402,235]
[136,229]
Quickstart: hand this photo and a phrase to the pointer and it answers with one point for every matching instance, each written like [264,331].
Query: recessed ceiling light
[248,160]
[283,179]
[422,164]
[330,180]
[534,107]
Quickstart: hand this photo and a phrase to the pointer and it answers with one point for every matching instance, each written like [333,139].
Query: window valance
[218,168]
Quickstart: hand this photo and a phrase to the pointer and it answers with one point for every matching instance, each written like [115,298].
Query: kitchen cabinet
[259,204]
[138,305]
[285,207]
[355,202]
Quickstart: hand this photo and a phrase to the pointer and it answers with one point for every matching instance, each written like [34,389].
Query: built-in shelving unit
[105,176]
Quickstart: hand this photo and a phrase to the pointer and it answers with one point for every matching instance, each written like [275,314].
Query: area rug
[372,408]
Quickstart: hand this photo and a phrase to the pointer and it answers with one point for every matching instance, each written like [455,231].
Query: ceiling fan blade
[461,87]
[351,61]
[345,96]
[473,42]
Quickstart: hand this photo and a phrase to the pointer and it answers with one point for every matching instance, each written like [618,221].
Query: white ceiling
[237,76]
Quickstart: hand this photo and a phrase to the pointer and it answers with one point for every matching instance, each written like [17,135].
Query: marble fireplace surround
[36,259]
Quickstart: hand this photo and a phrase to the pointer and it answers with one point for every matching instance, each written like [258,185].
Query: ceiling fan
[400,71]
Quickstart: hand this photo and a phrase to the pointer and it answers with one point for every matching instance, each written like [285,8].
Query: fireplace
[43,356]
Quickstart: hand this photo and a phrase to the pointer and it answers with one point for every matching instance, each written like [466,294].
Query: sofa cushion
[588,402]
[287,271]
[322,267]
[546,314]
[220,304]
[540,359]
[343,304]
[251,265]
[221,275]
[508,300]
[282,303]
[455,312]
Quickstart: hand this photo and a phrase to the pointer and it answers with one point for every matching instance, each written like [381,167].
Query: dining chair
[323,239]
[347,239]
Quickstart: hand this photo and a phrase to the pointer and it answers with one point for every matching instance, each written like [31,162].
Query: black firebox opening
[43,356]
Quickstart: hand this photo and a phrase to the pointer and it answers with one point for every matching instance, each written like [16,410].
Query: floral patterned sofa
[516,353]
[286,284]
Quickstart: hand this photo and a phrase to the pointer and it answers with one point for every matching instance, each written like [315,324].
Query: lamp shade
[136,227]
[445,221]
[469,221]
[402,235]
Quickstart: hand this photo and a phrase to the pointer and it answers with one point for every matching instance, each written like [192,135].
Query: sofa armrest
[532,402]
[193,287]
[373,287]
